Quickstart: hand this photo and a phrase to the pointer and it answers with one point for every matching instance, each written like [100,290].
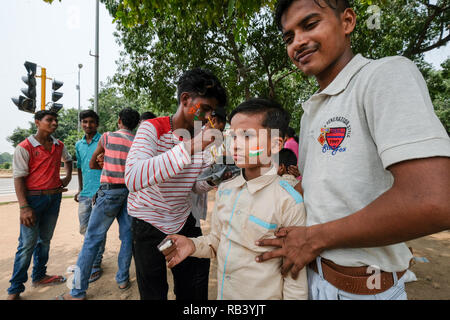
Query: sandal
[49,280]
[96,273]
[124,285]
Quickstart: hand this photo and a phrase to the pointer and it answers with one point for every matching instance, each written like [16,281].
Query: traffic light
[56,95]
[27,103]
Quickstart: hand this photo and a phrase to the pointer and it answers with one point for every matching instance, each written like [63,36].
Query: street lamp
[78,88]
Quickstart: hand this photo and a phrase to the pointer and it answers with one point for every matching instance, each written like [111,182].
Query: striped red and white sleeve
[203,186]
[144,167]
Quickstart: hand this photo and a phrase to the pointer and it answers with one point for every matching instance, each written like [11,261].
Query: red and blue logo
[331,138]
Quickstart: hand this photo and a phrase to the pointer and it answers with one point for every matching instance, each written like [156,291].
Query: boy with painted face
[249,207]
[374,158]
[161,171]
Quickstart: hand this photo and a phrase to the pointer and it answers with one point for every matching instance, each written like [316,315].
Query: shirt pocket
[257,228]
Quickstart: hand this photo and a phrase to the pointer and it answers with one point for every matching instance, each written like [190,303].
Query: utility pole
[78,87]
[96,56]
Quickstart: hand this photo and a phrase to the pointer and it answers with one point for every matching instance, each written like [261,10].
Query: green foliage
[439,87]
[6,165]
[20,134]
[238,41]
[5,157]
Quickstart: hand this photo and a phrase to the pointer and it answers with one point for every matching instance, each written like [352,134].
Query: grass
[9,202]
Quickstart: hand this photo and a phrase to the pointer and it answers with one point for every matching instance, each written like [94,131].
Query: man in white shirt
[374,158]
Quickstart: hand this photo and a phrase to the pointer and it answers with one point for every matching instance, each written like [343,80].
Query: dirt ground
[433,278]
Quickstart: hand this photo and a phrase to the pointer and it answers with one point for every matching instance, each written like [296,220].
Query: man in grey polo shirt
[374,158]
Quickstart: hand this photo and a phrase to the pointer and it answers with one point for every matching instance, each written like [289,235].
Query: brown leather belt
[354,279]
[45,192]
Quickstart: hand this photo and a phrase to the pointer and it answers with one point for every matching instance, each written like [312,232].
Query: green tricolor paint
[256,152]
[199,115]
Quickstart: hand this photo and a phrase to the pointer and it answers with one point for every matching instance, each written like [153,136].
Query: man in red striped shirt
[110,204]
[161,171]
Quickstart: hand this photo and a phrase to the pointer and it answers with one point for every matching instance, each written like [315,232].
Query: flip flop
[128,284]
[96,273]
[51,280]
[61,297]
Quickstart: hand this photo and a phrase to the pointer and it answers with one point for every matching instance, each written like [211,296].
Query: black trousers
[190,276]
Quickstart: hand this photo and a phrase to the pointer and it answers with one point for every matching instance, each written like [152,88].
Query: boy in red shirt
[36,166]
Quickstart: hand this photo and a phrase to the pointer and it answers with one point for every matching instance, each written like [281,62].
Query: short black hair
[282,6]
[290,132]
[201,82]
[147,115]
[89,114]
[275,116]
[42,113]
[221,114]
[287,157]
[129,117]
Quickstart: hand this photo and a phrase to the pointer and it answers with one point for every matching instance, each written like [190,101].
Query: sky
[58,37]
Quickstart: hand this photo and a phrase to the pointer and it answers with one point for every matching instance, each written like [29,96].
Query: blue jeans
[110,205]
[35,241]
[84,213]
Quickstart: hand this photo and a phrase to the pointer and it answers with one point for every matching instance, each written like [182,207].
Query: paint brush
[212,125]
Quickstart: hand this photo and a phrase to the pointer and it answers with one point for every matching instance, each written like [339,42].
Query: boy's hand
[27,217]
[227,175]
[293,170]
[204,138]
[65,182]
[181,248]
[100,159]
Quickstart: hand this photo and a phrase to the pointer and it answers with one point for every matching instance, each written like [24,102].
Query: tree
[238,41]
[5,157]
[20,134]
[439,87]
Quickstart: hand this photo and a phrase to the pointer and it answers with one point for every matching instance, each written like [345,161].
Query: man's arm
[204,186]
[27,217]
[417,205]
[93,162]
[20,172]
[80,184]
[200,247]
[144,167]
[68,165]
[68,168]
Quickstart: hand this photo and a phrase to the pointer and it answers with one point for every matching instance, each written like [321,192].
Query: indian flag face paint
[254,152]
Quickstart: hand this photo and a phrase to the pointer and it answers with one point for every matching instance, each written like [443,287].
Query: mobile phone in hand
[165,244]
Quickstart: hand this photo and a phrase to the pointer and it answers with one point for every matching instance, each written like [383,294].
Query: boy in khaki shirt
[249,207]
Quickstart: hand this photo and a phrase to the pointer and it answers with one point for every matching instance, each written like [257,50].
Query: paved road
[7,193]
[7,185]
